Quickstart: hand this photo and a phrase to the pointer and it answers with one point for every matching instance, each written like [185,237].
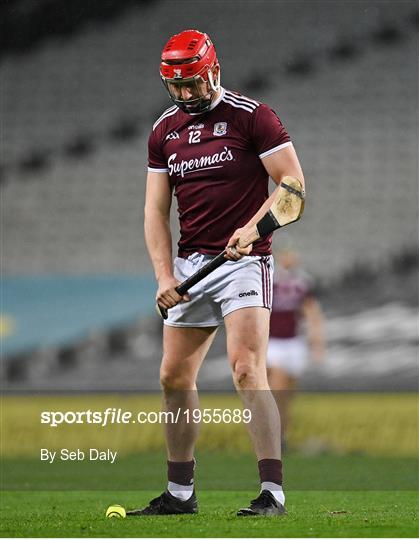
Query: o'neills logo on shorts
[250,293]
[198,164]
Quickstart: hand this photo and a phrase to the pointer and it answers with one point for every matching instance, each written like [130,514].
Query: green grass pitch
[310,514]
[338,509]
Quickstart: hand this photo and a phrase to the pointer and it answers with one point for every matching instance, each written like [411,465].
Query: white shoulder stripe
[172,108]
[237,105]
[167,112]
[242,102]
[243,98]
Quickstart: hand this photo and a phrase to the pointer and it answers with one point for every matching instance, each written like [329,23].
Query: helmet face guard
[190,71]
[193,96]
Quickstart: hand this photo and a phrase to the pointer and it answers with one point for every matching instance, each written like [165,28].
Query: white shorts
[234,285]
[288,354]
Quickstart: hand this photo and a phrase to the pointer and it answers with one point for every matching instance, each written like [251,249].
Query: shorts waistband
[187,254]
[196,257]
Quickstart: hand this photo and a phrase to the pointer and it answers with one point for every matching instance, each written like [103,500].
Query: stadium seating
[76,111]
[353,128]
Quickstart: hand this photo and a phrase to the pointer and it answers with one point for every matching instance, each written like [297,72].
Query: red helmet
[188,59]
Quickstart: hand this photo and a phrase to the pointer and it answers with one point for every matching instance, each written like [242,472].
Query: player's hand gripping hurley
[287,207]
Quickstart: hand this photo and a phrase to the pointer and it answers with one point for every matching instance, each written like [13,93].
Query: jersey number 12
[194,137]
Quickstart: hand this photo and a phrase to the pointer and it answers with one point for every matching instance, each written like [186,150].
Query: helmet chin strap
[215,85]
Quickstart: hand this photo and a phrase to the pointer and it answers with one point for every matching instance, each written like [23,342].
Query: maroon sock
[270,470]
[181,472]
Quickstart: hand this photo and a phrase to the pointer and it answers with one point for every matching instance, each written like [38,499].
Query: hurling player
[214,151]
[289,350]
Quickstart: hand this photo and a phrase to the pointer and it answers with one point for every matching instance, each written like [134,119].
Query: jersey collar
[217,101]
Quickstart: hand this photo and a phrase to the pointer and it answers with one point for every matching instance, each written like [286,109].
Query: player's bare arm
[158,237]
[278,165]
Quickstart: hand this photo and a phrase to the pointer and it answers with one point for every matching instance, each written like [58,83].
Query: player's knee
[249,371]
[170,381]
[174,380]
[245,374]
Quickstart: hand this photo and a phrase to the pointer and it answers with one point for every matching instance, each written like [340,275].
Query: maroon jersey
[290,290]
[214,165]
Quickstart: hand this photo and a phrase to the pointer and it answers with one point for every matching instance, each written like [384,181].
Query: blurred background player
[296,332]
